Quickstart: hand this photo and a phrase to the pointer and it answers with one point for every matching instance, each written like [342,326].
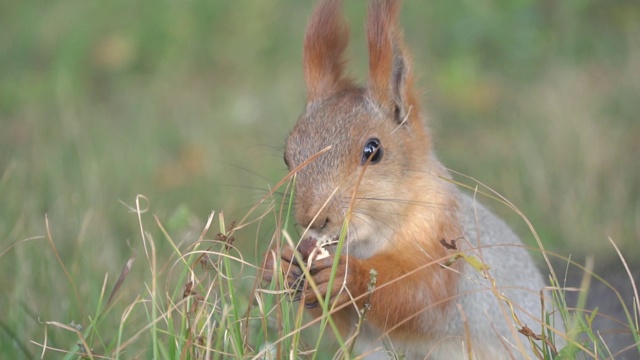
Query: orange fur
[386,49]
[381,36]
[324,45]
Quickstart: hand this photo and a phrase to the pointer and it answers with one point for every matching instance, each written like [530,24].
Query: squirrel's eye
[372,150]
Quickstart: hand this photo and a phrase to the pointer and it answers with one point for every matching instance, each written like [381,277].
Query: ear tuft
[390,78]
[325,42]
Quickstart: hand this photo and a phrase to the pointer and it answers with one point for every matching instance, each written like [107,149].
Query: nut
[312,249]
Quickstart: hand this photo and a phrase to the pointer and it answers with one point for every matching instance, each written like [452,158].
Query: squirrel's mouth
[328,241]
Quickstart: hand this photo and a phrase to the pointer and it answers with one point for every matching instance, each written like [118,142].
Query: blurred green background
[189,103]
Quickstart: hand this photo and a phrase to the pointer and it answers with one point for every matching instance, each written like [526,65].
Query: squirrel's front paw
[293,275]
[320,272]
[343,287]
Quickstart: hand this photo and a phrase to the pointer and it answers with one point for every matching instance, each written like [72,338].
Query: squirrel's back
[511,270]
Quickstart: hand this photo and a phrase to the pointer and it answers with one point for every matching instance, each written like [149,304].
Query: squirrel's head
[379,146]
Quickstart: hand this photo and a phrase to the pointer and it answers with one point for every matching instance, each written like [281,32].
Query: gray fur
[490,240]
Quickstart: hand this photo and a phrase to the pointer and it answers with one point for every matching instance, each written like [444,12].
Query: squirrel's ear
[324,44]
[390,78]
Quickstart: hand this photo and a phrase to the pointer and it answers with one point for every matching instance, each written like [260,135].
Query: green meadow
[128,128]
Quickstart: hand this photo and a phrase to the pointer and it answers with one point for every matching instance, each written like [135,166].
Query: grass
[204,300]
[189,104]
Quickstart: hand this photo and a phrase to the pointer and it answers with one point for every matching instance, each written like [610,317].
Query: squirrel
[406,218]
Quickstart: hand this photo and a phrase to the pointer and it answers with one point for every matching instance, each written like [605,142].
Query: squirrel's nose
[320,223]
[314,220]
